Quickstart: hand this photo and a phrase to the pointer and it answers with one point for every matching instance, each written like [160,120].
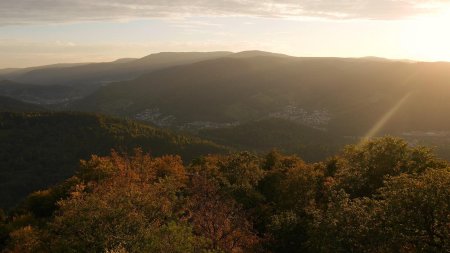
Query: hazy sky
[36,32]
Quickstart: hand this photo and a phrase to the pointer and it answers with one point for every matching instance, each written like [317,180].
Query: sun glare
[428,38]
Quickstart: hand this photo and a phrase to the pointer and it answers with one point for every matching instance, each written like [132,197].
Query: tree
[219,218]
[238,174]
[25,240]
[345,225]
[128,206]
[297,192]
[365,166]
[416,210]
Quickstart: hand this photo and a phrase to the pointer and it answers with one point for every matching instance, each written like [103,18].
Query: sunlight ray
[386,117]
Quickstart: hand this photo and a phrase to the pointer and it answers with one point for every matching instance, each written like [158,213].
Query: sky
[39,32]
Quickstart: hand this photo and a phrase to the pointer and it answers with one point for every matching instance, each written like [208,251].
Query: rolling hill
[287,136]
[59,83]
[15,72]
[43,94]
[100,73]
[41,149]
[13,105]
[346,98]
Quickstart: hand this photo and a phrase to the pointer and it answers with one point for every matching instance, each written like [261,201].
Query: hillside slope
[346,96]
[60,83]
[95,73]
[13,105]
[43,94]
[41,149]
[286,136]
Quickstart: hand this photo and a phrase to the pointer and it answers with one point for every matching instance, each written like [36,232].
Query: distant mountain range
[63,82]
[347,96]
[97,73]
[214,94]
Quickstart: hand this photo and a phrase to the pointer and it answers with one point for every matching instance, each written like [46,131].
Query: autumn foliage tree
[219,218]
[378,196]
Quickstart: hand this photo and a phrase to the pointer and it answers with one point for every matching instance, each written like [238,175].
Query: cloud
[16,12]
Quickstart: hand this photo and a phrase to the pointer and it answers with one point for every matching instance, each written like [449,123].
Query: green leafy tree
[365,166]
[345,225]
[416,210]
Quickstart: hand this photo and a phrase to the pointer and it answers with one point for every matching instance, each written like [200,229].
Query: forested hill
[309,143]
[378,196]
[91,73]
[345,96]
[11,104]
[40,149]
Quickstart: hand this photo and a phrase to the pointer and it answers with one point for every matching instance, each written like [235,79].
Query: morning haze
[56,31]
[224,126]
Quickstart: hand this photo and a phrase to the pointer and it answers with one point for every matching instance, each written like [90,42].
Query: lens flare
[386,117]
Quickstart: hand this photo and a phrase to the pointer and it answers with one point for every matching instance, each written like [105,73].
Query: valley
[222,92]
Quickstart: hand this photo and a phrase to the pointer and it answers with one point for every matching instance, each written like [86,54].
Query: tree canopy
[382,195]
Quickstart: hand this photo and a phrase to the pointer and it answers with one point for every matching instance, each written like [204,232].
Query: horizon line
[407,60]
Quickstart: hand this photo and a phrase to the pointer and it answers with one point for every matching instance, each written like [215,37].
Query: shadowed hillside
[59,83]
[309,143]
[344,97]
[350,94]
[43,94]
[95,73]
[13,105]
[41,149]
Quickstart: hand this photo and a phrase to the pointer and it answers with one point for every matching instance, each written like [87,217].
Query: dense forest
[40,149]
[287,136]
[11,104]
[380,195]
